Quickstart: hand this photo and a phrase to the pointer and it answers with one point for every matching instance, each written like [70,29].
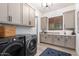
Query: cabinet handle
[10,18]
[45,37]
[29,22]
[58,39]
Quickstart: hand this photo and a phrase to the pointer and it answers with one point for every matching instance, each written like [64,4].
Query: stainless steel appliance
[31,44]
[13,46]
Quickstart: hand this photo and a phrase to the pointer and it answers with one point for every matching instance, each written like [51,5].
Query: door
[3,12]
[26,14]
[15,13]
[32,17]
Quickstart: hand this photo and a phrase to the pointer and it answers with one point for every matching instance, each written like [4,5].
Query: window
[55,23]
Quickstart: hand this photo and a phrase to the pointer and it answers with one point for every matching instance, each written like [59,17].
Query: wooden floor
[41,47]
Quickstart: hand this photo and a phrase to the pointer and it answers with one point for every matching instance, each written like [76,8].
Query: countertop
[58,34]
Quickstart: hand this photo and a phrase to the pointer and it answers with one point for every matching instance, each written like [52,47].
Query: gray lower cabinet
[47,38]
[70,41]
[60,40]
[50,39]
[43,38]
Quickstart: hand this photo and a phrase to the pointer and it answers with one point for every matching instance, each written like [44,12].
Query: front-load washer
[31,44]
[12,46]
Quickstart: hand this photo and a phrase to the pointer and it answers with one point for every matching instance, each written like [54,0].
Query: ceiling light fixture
[45,4]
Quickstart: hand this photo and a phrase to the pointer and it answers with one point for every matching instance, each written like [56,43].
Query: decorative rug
[53,52]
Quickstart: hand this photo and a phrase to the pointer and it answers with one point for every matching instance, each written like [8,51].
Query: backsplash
[24,30]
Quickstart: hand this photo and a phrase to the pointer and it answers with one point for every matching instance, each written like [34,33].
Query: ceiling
[53,7]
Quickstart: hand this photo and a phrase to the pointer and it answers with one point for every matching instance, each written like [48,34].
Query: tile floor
[41,47]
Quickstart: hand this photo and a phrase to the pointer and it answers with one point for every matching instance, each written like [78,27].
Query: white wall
[59,13]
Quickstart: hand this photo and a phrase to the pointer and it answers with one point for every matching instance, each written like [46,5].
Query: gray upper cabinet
[46,38]
[44,23]
[17,14]
[28,15]
[49,39]
[14,13]
[69,20]
[10,13]
[3,12]
[32,17]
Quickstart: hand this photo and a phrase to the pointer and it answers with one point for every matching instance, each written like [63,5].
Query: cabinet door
[70,42]
[15,13]
[44,23]
[43,38]
[3,12]
[26,14]
[50,39]
[59,40]
[69,20]
[32,17]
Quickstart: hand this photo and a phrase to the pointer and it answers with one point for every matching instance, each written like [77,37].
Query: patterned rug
[53,52]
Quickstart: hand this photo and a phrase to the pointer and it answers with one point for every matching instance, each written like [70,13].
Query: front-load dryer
[31,45]
[12,46]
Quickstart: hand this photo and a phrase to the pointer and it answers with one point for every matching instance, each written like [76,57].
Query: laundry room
[39,29]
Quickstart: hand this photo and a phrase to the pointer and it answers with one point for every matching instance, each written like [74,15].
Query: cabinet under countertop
[68,41]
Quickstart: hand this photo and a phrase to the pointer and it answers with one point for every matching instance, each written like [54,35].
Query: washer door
[32,45]
[13,49]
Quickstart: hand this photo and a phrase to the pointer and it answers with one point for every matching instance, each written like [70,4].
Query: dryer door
[14,49]
[32,45]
